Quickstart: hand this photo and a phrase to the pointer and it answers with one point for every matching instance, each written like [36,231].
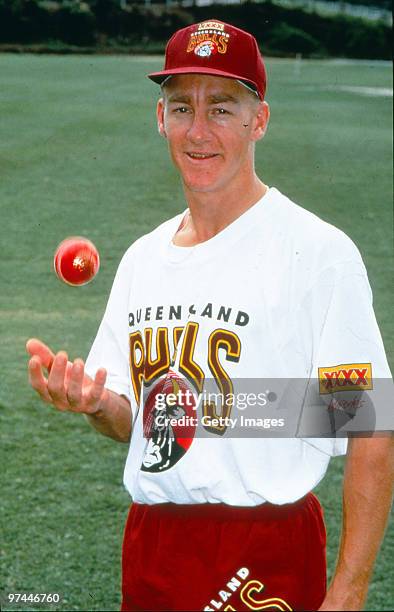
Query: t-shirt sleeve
[350,389]
[110,348]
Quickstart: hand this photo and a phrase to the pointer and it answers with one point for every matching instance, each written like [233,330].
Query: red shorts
[219,557]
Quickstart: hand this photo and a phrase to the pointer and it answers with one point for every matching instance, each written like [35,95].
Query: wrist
[347,576]
[348,591]
[112,416]
[344,600]
[102,407]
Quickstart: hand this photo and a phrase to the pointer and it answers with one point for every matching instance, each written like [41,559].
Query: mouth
[200,156]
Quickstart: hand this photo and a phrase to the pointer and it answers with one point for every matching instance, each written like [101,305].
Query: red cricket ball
[76,261]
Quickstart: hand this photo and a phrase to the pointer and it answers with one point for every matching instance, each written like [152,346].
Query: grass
[80,155]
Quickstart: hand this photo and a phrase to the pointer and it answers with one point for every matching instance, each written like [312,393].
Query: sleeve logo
[345,377]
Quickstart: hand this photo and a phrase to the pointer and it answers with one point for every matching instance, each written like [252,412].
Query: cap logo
[209,39]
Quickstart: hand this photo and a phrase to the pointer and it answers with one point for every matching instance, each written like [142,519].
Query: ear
[160,118]
[261,121]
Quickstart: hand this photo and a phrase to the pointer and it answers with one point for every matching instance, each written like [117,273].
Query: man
[245,285]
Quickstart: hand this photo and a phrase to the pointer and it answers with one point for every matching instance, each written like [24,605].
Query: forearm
[113,417]
[367,495]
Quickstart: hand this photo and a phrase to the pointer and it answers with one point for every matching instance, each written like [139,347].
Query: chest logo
[169,423]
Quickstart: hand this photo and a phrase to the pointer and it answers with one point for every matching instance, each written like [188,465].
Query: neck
[211,212]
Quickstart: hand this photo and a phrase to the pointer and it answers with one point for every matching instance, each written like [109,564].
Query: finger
[36,347]
[56,387]
[37,379]
[74,381]
[67,375]
[97,388]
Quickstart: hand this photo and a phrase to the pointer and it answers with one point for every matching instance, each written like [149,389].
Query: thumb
[41,350]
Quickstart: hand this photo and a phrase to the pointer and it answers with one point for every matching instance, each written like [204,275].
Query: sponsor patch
[209,39]
[345,377]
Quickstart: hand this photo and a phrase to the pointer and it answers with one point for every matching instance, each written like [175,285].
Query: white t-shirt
[273,297]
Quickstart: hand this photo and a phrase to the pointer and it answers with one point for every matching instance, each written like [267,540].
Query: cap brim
[159,77]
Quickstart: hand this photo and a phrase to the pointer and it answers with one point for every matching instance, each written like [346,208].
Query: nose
[199,130]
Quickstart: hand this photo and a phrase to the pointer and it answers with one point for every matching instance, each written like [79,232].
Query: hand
[67,387]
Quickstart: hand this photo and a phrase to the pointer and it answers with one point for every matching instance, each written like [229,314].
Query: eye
[180,109]
[221,111]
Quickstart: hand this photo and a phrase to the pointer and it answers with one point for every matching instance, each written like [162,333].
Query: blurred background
[80,155]
[315,28]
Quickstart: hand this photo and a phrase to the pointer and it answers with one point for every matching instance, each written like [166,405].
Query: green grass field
[80,154]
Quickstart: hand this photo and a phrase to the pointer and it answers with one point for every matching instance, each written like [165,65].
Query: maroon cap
[215,48]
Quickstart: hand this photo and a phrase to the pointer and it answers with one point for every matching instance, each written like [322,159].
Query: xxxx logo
[347,377]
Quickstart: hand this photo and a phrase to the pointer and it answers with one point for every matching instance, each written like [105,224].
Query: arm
[69,388]
[367,494]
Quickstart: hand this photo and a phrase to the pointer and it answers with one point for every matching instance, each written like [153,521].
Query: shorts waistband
[227,512]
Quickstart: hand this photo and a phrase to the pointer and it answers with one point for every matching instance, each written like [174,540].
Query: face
[211,125]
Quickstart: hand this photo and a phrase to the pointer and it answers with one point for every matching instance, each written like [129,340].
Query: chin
[198,183]
[199,187]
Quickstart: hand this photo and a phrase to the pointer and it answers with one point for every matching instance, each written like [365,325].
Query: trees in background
[100,24]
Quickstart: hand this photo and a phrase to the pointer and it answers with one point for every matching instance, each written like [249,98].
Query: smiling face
[211,124]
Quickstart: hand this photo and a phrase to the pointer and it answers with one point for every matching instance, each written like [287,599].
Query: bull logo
[207,48]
